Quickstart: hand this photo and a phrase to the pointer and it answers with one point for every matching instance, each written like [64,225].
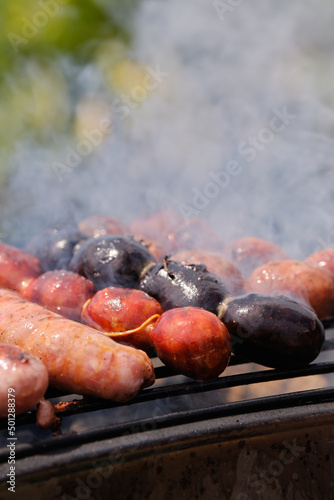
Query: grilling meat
[215,264]
[176,285]
[324,259]
[157,227]
[54,247]
[153,246]
[195,234]
[193,342]
[273,331]
[300,281]
[115,309]
[248,253]
[78,359]
[61,291]
[17,268]
[23,380]
[112,261]
[102,225]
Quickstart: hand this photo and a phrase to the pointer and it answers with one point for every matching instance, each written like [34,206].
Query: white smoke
[229,70]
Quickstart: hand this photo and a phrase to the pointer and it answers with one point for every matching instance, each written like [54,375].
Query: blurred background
[127,107]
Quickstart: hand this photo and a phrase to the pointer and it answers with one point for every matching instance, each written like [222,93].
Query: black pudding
[176,285]
[112,261]
[54,247]
[274,331]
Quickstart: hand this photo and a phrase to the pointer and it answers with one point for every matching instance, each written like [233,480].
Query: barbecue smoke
[235,126]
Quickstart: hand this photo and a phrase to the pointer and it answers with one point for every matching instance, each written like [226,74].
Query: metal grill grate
[176,400]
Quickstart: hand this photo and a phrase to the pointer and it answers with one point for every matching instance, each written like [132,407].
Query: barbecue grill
[252,433]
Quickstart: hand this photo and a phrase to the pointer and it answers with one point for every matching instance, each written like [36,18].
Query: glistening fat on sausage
[23,380]
[78,358]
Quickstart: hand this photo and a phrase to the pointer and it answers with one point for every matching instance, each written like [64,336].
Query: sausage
[195,234]
[274,331]
[54,247]
[116,309]
[45,415]
[153,246]
[112,261]
[248,253]
[176,285]
[157,226]
[193,342]
[17,268]
[300,281]
[78,359]
[23,380]
[61,291]
[215,264]
[100,225]
[324,259]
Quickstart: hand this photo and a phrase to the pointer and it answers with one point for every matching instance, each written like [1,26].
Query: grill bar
[300,398]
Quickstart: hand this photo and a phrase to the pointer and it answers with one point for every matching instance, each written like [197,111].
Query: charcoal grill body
[161,446]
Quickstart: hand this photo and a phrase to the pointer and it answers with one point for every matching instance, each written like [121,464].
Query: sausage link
[78,359]
[23,380]
[17,268]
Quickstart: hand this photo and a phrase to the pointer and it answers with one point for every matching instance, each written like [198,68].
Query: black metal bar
[290,400]
[92,404]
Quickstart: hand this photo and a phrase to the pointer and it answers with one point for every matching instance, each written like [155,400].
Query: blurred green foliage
[35,94]
[45,27]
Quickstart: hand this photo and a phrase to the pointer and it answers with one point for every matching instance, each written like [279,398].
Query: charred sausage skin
[78,358]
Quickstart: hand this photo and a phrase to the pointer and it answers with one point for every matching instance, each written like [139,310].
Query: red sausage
[324,259]
[193,342]
[116,309]
[153,246]
[248,253]
[101,225]
[300,281]
[157,226]
[17,268]
[61,291]
[23,380]
[78,358]
[195,234]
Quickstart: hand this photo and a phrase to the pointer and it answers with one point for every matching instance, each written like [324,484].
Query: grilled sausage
[157,226]
[248,253]
[54,247]
[324,259]
[195,234]
[100,225]
[116,309]
[274,331]
[23,380]
[193,342]
[112,261]
[17,268]
[300,281]
[78,358]
[61,291]
[176,285]
[215,264]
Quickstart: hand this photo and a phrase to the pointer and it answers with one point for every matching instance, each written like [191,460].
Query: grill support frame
[161,458]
